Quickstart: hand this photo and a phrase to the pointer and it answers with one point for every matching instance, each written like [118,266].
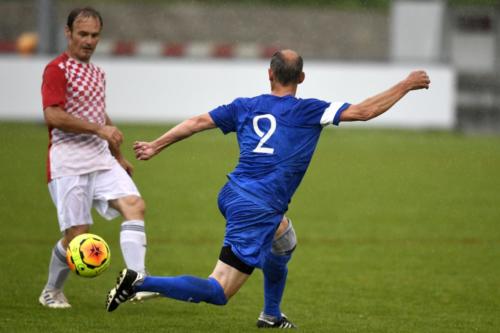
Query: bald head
[286,66]
[289,54]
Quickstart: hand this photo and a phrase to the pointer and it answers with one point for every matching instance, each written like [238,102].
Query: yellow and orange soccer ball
[88,255]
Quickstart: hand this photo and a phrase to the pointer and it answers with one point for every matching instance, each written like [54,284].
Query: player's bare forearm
[56,117]
[376,105]
[115,151]
[183,130]
[114,148]
[146,150]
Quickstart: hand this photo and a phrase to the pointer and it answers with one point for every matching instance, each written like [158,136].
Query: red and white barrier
[167,49]
[194,49]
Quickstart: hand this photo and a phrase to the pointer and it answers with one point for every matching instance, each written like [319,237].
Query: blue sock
[185,288]
[275,271]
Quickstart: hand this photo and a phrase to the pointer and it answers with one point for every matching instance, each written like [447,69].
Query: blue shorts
[250,226]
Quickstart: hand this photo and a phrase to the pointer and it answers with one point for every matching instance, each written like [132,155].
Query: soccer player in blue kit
[277,135]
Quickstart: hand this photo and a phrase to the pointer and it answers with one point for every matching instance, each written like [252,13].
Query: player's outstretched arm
[146,150]
[378,104]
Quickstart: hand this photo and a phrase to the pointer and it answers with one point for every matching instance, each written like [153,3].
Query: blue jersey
[277,137]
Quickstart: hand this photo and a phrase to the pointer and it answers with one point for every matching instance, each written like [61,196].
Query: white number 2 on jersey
[264,136]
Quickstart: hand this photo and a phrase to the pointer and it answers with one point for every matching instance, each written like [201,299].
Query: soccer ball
[88,255]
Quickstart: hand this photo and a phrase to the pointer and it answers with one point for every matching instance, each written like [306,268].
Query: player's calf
[275,273]
[184,288]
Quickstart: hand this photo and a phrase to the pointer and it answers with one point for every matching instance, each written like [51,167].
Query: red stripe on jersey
[54,83]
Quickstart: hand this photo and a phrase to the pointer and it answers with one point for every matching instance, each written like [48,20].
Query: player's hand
[144,150]
[111,134]
[127,166]
[418,80]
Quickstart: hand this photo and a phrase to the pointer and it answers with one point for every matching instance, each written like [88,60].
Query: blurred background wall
[323,31]
[458,36]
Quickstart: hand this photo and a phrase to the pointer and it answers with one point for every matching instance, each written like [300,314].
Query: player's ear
[302,77]
[67,32]
[271,74]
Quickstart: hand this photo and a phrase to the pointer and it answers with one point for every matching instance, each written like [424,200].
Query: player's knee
[218,296]
[219,300]
[135,205]
[141,206]
[286,243]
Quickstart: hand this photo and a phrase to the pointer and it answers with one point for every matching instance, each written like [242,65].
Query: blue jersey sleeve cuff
[218,122]
[336,119]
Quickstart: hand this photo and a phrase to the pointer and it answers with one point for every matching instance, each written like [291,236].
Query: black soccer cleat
[124,289]
[265,321]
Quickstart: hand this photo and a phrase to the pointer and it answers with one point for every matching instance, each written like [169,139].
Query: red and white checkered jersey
[79,89]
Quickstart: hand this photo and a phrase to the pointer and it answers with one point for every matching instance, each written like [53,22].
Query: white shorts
[74,196]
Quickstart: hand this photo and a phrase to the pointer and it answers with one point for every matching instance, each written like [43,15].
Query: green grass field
[399,231]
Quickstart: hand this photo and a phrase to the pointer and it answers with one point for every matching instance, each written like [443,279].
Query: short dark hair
[286,71]
[84,12]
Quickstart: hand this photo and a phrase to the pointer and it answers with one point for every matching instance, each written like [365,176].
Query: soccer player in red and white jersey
[85,167]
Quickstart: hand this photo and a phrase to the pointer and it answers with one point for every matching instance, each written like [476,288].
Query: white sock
[133,244]
[58,268]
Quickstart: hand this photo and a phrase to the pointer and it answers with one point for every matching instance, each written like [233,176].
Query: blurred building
[317,32]
[403,31]
[468,38]
[473,47]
